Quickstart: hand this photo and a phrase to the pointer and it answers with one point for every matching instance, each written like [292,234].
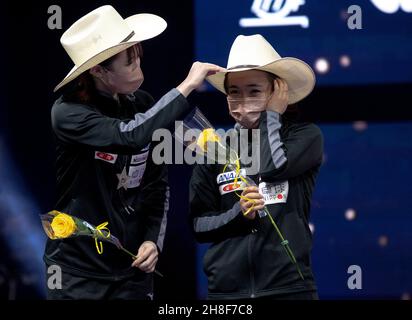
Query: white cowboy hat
[255,53]
[103,33]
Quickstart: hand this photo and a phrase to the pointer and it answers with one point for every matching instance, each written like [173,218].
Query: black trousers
[82,288]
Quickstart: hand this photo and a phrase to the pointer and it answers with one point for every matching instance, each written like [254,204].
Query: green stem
[134,258]
[127,251]
[285,243]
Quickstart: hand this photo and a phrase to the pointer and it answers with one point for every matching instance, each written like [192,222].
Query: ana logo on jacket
[228,176]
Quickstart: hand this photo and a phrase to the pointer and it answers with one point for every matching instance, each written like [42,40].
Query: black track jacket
[246,258]
[105,172]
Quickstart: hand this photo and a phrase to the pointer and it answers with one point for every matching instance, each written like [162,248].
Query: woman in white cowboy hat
[247,258]
[103,127]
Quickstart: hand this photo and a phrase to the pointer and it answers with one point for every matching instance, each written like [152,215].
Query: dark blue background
[381,52]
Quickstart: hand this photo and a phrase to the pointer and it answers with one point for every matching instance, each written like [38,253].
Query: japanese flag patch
[107,157]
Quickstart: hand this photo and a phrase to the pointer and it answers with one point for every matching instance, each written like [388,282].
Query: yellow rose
[63,225]
[207,135]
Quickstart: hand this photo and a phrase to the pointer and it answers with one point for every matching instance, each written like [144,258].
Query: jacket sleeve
[155,204]
[209,222]
[81,124]
[282,159]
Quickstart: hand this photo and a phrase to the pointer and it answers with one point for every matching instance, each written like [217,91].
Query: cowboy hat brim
[144,25]
[298,75]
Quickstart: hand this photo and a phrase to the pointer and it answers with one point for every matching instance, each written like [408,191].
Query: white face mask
[247,111]
[124,75]
[124,82]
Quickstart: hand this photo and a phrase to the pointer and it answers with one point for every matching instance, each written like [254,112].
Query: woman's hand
[147,257]
[256,198]
[197,75]
[280,97]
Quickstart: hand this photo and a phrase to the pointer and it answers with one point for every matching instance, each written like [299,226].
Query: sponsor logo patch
[228,176]
[231,187]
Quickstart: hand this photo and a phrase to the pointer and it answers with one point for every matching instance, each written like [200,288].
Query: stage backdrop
[316,31]
[361,212]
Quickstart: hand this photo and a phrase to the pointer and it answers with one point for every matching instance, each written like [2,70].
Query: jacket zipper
[126,207]
[250,260]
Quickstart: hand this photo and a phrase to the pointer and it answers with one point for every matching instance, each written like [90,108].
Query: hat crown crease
[251,50]
[95,32]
